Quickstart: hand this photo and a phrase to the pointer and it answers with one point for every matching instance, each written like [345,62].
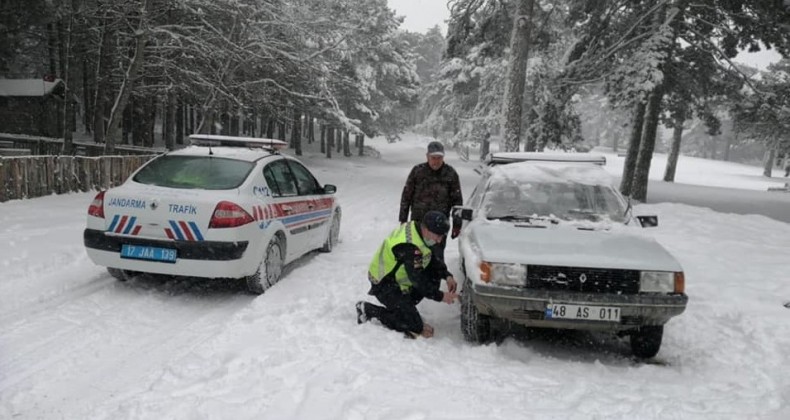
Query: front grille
[578,279]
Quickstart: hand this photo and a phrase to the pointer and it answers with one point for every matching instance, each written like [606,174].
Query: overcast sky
[421,15]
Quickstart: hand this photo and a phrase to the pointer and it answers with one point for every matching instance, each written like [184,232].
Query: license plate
[582,312]
[149,253]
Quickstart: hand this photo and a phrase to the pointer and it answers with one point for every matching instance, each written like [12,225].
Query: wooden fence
[21,144]
[36,176]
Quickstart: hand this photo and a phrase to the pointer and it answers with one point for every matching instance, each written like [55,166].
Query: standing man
[433,185]
[404,271]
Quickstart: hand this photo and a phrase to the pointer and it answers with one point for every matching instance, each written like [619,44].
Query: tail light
[96,209]
[228,215]
[485,272]
[680,282]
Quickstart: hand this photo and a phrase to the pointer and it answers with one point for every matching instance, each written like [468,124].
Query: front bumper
[528,307]
[210,259]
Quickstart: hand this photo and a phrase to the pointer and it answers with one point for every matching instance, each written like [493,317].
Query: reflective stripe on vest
[384,260]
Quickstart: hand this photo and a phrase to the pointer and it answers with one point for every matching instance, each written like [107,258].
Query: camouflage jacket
[427,190]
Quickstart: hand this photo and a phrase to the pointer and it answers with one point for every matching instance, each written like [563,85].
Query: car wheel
[117,273]
[333,234]
[475,326]
[646,341]
[122,275]
[270,269]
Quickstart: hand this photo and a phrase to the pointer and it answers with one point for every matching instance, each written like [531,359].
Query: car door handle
[288,209]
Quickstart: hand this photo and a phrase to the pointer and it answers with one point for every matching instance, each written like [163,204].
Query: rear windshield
[194,172]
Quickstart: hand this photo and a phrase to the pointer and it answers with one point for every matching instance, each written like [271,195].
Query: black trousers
[399,312]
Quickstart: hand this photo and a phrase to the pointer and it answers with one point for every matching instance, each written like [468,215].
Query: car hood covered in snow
[566,245]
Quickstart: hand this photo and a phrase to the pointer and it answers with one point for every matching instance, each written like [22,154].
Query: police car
[223,207]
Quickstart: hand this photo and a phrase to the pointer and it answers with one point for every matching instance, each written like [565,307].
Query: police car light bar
[511,157]
[235,141]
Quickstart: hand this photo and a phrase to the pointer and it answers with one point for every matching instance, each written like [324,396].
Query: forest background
[532,74]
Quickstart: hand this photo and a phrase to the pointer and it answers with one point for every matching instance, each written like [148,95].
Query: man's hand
[449,297]
[427,331]
[452,285]
[456,232]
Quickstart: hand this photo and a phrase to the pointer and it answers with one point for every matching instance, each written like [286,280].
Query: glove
[456,232]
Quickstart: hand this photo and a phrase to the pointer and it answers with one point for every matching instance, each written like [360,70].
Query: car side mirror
[648,221]
[330,189]
[463,213]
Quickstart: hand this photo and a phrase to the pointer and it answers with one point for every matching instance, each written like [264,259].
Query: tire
[646,341]
[333,234]
[475,326]
[122,275]
[117,273]
[270,269]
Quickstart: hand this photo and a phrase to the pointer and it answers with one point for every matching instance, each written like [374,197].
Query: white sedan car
[555,245]
[224,207]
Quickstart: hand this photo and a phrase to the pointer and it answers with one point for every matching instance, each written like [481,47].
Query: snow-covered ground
[76,344]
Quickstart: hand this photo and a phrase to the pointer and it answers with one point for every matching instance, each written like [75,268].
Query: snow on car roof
[509,157]
[582,173]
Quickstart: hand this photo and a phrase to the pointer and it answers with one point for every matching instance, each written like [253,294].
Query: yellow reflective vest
[384,260]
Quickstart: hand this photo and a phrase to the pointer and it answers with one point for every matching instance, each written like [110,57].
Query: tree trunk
[310,129]
[127,128]
[68,104]
[102,82]
[339,140]
[770,156]
[150,137]
[637,121]
[517,73]
[180,119]
[674,151]
[281,130]
[296,133]
[126,85]
[233,118]
[485,146]
[323,138]
[361,144]
[647,144]
[346,144]
[330,141]
[87,97]
[51,50]
[170,116]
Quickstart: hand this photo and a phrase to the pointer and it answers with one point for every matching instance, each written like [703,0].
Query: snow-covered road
[76,344]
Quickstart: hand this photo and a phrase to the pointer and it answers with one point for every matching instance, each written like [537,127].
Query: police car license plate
[582,312]
[149,253]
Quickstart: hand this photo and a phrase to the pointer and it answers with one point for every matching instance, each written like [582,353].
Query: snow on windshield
[568,192]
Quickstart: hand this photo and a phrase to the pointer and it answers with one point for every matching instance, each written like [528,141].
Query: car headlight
[661,282]
[503,274]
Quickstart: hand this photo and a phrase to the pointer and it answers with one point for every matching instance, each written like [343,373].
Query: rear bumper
[209,259]
[528,307]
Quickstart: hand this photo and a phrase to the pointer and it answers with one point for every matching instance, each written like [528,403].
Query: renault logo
[583,278]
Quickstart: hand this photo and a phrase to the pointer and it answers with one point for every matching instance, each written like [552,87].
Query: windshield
[195,172]
[509,200]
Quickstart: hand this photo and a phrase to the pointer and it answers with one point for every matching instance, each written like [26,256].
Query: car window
[280,179]
[305,181]
[194,172]
[568,200]
[476,196]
